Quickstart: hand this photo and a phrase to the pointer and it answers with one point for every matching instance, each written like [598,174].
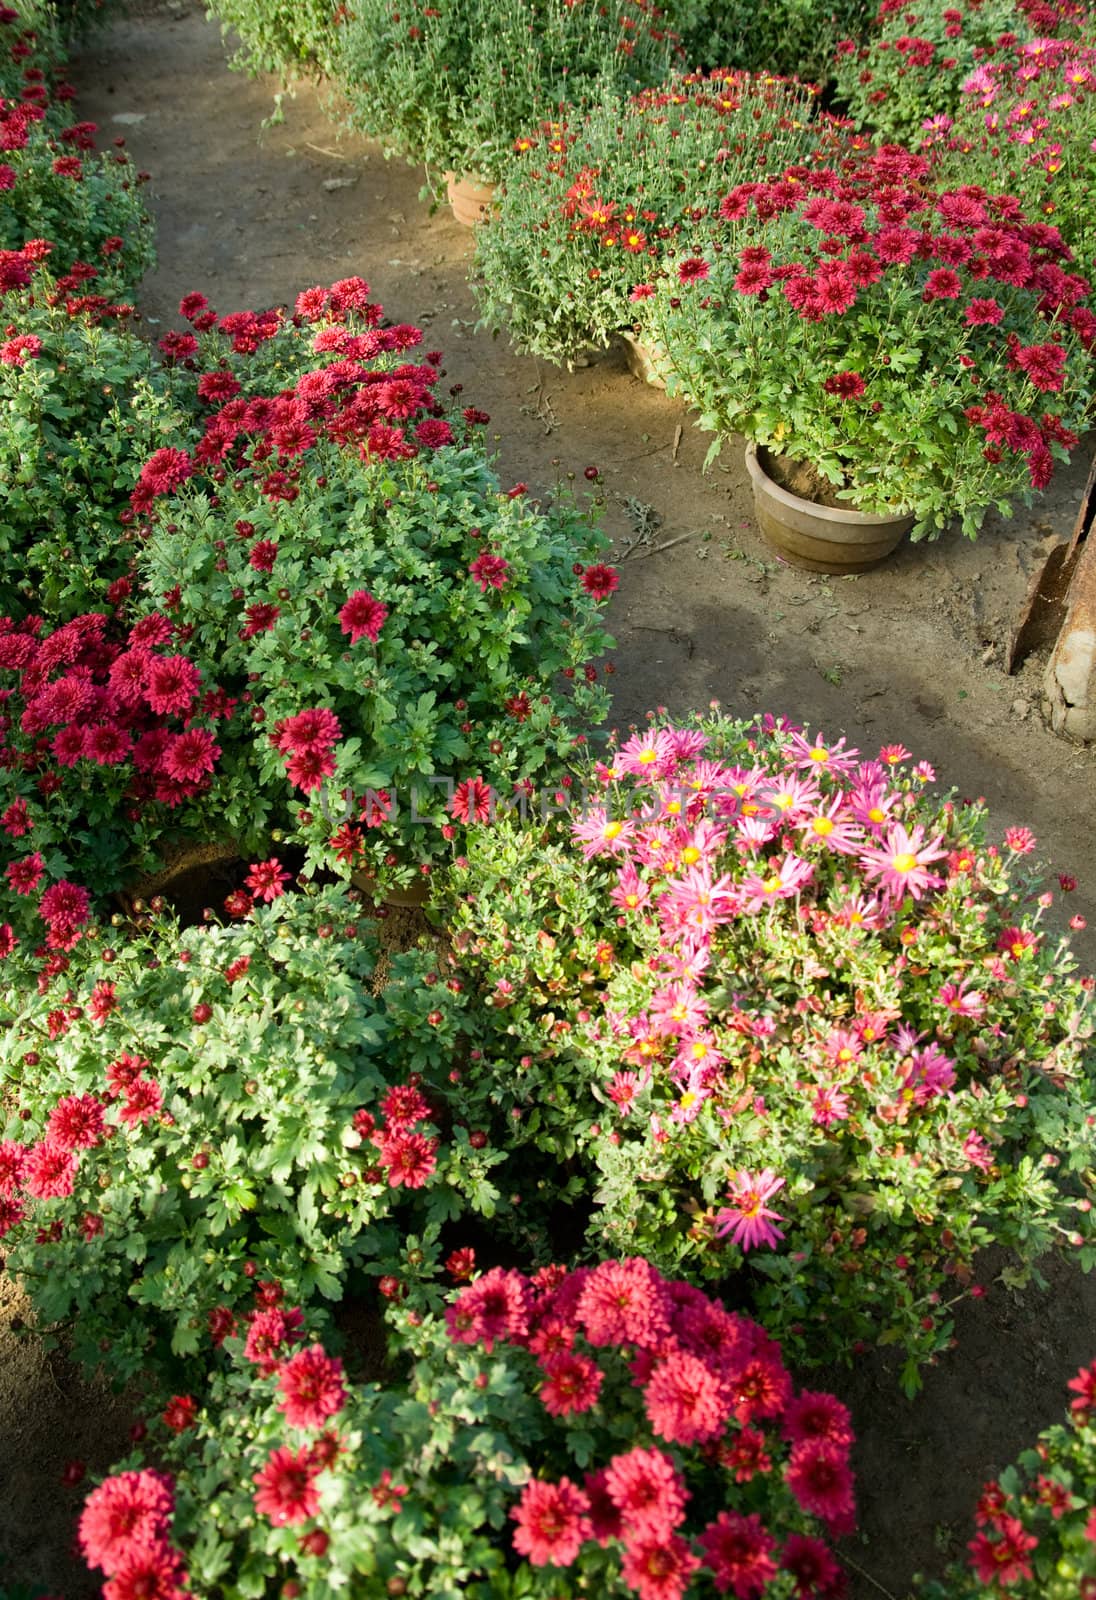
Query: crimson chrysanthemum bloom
[943,284]
[473,801]
[312,1388]
[152,1572]
[189,756]
[262,555]
[647,1490]
[408,1158]
[144,1100]
[495,1307]
[571,1383]
[50,1171]
[738,1553]
[65,903]
[363,617]
[983,313]
[127,1512]
[552,1522]
[267,1332]
[1084,1387]
[26,874]
[658,1567]
[817,1575]
[816,1415]
[489,571]
[261,618]
[693,270]
[314,729]
[266,880]
[600,581]
[846,385]
[180,1412]
[1044,364]
[286,1487]
[12,1213]
[684,1400]
[1005,1559]
[170,685]
[403,1106]
[819,1475]
[76,1123]
[13,1163]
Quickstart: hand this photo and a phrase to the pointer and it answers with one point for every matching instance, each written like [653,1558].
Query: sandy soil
[913,652]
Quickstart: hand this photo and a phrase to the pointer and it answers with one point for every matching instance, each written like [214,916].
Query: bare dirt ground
[911,652]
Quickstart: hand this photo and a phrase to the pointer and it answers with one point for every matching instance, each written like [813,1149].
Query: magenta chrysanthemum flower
[819,1475]
[26,874]
[489,571]
[312,1388]
[286,1487]
[409,1159]
[13,1163]
[50,1171]
[189,756]
[363,617]
[314,729]
[552,1522]
[151,1572]
[495,1307]
[817,1415]
[144,1100]
[739,1554]
[267,1332]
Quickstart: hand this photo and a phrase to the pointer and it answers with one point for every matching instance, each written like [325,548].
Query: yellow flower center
[771,885]
[819,753]
[647,756]
[690,854]
[877,814]
[822,825]
[904,862]
[611,830]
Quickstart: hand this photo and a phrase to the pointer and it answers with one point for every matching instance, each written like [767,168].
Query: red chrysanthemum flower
[50,1171]
[153,1572]
[812,1415]
[76,1123]
[846,385]
[144,1100]
[600,581]
[180,1412]
[171,683]
[286,1487]
[312,1388]
[266,880]
[25,875]
[13,1164]
[473,801]
[816,1574]
[267,1332]
[489,571]
[495,1307]
[693,270]
[552,1522]
[408,1158]
[363,617]
[571,1383]
[188,756]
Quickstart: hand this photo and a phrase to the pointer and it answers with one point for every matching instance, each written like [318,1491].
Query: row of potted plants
[220,1138]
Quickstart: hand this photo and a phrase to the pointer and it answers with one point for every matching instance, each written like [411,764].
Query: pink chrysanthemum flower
[552,1522]
[495,1307]
[684,1400]
[50,1171]
[312,1388]
[781,881]
[623,1302]
[489,571]
[901,863]
[748,1219]
[817,1415]
[649,755]
[601,834]
[648,1491]
[657,1567]
[126,1512]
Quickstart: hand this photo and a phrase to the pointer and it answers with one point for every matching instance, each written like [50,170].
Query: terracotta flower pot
[415,894]
[471,201]
[816,537]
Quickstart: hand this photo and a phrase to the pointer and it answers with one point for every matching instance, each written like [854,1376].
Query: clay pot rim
[840,517]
